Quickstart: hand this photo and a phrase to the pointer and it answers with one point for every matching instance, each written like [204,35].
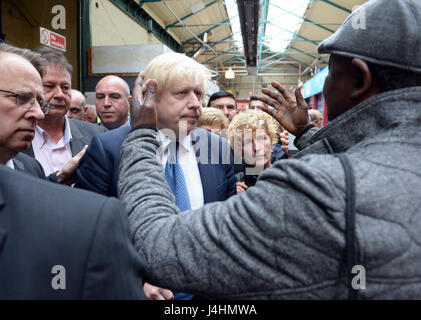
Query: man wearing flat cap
[340,220]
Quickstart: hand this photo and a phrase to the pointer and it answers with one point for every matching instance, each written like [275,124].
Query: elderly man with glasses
[22,106]
[54,241]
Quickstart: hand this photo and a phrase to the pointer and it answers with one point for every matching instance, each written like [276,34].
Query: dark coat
[43,225]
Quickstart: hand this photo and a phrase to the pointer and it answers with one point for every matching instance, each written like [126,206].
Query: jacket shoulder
[29,165]
[84,126]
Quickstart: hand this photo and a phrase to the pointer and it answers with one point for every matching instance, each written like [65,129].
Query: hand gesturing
[143,102]
[289,110]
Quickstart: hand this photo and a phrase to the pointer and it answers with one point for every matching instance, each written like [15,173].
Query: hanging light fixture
[229,74]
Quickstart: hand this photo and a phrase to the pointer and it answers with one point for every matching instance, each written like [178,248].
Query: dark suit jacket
[99,168]
[82,133]
[43,225]
[29,165]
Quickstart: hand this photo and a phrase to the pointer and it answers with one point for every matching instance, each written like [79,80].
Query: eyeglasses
[257,123]
[27,101]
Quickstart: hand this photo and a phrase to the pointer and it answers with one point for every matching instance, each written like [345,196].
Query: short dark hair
[53,56]
[254,98]
[221,94]
[391,78]
[34,58]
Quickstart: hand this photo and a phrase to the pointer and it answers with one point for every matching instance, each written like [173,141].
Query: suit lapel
[3,232]
[30,151]
[19,166]
[78,140]
[205,170]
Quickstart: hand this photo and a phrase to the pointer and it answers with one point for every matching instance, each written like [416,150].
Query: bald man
[90,112]
[315,117]
[77,105]
[112,101]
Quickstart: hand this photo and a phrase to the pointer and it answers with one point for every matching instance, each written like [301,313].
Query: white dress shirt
[188,163]
[52,156]
[10,164]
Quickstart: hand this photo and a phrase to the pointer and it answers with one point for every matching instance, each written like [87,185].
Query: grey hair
[53,56]
[34,58]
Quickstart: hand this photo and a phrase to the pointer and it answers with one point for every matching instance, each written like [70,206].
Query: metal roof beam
[265,5]
[272,56]
[336,5]
[294,33]
[197,25]
[303,52]
[229,59]
[174,24]
[207,30]
[133,10]
[301,17]
[269,64]
[300,61]
[141,2]
[248,12]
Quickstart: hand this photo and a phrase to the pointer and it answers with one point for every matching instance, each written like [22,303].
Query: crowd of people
[188,202]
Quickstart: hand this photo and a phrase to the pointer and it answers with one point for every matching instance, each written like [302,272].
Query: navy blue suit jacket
[99,168]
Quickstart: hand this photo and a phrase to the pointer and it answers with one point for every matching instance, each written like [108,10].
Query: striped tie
[175,178]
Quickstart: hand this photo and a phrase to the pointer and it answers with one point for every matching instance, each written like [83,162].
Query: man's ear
[365,83]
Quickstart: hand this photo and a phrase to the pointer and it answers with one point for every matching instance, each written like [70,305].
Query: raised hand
[285,143]
[67,175]
[289,110]
[241,187]
[142,104]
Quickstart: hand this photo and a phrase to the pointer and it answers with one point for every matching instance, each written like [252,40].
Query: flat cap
[384,32]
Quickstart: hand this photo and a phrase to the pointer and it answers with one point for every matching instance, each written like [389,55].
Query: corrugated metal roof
[190,20]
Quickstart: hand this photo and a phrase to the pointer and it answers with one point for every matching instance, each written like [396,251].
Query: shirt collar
[67,133]
[186,142]
[10,164]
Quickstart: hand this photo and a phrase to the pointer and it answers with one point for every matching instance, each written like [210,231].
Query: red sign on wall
[52,39]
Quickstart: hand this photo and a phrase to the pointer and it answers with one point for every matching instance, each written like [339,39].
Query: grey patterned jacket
[284,237]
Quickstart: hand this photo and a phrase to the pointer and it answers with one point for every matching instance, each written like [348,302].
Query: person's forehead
[183,84]
[18,74]
[223,100]
[109,85]
[77,96]
[56,73]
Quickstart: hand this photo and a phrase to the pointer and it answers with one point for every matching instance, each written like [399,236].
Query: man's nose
[194,101]
[35,112]
[107,101]
[225,110]
[58,93]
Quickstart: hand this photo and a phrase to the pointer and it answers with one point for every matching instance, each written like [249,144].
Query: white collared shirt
[52,156]
[10,164]
[188,163]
